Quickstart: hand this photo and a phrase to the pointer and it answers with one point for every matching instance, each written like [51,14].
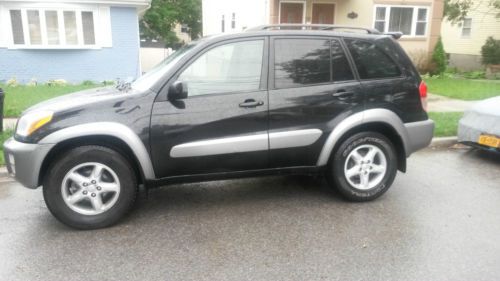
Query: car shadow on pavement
[234,194]
[489,156]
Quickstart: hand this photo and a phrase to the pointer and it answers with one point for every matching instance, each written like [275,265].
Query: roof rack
[288,26]
[292,26]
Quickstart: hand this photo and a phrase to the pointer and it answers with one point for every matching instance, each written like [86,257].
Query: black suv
[272,100]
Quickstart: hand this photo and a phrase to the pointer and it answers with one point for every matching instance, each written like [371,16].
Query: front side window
[371,62]
[234,67]
[52,28]
[410,20]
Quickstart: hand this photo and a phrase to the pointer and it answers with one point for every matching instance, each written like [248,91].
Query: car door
[313,88]
[222,125]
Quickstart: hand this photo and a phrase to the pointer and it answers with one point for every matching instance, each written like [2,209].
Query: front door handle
[250,103]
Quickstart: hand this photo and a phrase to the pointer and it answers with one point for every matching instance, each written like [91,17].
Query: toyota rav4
[275,99]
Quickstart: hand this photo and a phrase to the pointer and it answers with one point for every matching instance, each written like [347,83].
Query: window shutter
[105,37]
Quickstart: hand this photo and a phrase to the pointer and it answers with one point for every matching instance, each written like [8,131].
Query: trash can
[2,95]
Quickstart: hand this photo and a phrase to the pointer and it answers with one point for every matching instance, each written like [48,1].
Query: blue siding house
[74,40]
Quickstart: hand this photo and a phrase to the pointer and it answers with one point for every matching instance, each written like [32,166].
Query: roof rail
[285,26]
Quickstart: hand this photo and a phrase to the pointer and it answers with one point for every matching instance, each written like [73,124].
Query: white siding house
[221,16]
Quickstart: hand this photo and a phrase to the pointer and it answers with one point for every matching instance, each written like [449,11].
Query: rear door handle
[343,94]
[250,103]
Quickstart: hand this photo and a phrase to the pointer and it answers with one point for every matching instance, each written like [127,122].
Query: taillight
[423,94]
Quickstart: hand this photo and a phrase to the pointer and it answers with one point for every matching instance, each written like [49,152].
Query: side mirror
[177,91]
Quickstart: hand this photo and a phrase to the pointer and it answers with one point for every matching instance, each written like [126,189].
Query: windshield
[147,80]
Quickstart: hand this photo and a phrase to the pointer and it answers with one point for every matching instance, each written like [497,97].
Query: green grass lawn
[4,136]
[446,123]
[19,98]
[464,89]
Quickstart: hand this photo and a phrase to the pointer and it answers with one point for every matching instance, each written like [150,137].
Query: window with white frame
[467,27]
[53,28]
[410,20]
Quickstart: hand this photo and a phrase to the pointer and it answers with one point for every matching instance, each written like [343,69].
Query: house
[419,20]
[463,41]
[75,40]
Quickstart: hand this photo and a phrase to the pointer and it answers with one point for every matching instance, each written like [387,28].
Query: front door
[312,88]
[323,13]
[222,125]
[291,12]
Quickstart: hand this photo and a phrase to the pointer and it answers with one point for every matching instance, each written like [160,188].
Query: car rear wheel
[363,167]
[90,187]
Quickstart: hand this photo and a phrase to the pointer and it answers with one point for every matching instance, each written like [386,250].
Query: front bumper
[24,160]
[419,135]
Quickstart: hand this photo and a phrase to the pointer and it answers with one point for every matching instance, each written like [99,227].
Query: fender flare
[112,129]
[367,116]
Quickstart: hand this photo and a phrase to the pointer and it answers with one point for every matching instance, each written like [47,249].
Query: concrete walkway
[438,103]
[9,123]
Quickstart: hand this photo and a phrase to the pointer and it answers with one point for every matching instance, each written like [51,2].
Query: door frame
[304,7]
[325,2]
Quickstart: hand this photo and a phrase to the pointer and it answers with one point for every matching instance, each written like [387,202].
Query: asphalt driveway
[440,221]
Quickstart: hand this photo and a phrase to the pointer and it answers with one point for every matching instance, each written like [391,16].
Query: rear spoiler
[395,35]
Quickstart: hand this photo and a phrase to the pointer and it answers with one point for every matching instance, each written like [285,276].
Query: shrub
[57,82]
[439,58]
[475,75]
[490,51]
[88,83]
[108,82]
[420,59]
[12,82]
[32,83]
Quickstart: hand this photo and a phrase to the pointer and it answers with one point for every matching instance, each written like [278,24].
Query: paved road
[440,221]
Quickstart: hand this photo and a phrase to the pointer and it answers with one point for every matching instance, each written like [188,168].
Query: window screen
[370,61]
[88,28]
[34,27]
[17,26]
[400,20]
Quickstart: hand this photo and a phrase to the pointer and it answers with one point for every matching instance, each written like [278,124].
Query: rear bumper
[474,124]
[24,161]
[419,135]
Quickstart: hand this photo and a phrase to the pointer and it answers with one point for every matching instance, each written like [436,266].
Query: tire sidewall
[343,152]
[56,173]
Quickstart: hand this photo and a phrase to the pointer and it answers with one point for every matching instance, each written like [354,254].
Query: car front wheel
[363,167]
[90,187]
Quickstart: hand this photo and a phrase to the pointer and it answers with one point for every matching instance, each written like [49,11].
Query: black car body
[253,103]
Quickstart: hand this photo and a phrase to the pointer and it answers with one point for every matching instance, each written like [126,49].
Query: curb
[3,172]
[444,141]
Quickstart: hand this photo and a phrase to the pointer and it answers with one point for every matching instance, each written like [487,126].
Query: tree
[161,18]
[457,10]
[439,61]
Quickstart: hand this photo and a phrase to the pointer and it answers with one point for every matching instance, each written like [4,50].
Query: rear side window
[371,62]
[299,62]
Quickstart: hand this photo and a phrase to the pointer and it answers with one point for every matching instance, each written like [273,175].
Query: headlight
[31,122]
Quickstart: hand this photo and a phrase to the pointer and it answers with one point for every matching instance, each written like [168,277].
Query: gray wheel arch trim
[112,129]
[368,116]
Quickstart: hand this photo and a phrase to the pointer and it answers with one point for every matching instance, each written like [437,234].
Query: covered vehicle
[480,125]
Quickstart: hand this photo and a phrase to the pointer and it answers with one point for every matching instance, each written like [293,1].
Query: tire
[99,180]
[358,176]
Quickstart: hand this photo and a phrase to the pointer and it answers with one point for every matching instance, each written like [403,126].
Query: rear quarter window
[371,62]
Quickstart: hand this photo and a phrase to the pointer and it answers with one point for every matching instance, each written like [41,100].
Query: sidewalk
[436,103]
